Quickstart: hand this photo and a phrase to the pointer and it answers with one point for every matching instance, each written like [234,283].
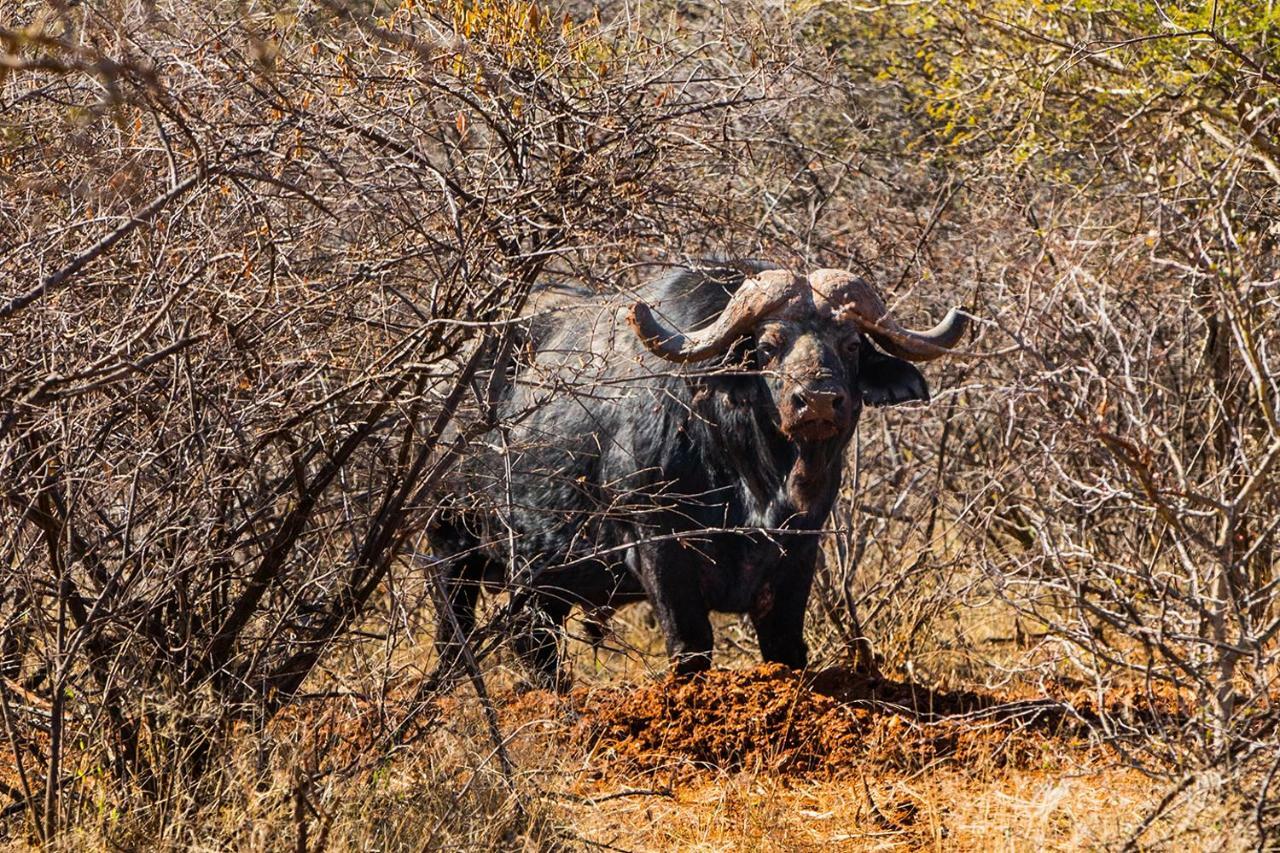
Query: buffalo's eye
[766,350]
[852,346]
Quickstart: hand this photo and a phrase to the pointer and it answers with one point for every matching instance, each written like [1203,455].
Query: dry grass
[1006,789]
[948,808]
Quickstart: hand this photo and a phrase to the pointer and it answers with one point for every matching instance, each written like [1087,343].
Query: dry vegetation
[255,256]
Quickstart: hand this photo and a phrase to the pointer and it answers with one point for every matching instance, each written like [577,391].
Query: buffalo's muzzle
[815,414]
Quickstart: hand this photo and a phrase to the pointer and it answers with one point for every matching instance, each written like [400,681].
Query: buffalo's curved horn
[853,298]
[759,296]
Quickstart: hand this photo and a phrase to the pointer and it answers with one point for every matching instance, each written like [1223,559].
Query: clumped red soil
[762,718]
[773,719]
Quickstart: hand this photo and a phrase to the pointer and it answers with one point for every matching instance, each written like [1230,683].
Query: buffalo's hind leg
[460,568]
[460,582]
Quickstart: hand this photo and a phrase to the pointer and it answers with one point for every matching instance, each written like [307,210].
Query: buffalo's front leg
[537,638]
[778,617]
[671,583]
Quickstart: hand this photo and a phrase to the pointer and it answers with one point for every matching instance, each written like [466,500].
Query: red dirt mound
[771,718]
[762,718]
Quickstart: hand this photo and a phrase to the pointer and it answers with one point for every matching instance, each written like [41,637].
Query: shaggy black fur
[634,478]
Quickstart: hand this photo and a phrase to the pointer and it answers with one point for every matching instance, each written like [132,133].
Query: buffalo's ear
[887,381]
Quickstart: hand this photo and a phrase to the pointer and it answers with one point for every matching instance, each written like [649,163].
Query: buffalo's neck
[814,479]
[778,483]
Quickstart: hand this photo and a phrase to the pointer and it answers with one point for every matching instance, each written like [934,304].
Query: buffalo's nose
[819,404]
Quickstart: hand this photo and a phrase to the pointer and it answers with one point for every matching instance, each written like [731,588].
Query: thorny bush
[252,259]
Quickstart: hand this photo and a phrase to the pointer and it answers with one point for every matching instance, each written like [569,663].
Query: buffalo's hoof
[690,664]
[560,683]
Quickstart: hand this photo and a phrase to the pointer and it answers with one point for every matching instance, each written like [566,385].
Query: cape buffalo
[683,448]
